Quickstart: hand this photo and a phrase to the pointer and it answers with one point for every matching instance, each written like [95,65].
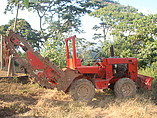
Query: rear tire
[82,90]
[125,88]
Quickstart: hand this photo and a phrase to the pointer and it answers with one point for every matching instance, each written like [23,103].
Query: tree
[54,49]
[67,11]
[134,33]
[25,30]
[63,17]
[114,16]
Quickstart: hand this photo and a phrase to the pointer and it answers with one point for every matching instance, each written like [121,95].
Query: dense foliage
[134,34]
[24,28]
[62,17]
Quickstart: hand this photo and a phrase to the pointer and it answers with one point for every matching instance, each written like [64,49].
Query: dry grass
[19,100]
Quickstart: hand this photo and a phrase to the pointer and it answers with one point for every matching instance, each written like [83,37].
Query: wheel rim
[127,89]
[83,92]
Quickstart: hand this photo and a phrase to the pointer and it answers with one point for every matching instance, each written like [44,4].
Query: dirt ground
[17,74]
[20,99]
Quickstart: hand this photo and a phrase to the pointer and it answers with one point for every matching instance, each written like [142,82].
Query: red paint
[101,73]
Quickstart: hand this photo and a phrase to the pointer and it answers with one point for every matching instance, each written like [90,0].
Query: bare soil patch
[26,100]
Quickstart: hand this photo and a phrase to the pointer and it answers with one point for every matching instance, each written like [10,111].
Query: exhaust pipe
[112,51]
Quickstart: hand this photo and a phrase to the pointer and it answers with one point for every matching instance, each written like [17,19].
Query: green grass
[149,72]
[152,72]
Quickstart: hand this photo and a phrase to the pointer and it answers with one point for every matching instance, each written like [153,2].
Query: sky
[145,6]
[32,18]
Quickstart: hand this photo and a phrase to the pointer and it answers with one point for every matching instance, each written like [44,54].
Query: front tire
[125,88]
[82,90]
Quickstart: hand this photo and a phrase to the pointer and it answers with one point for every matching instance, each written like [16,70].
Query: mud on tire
[125,88]
[82,90]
